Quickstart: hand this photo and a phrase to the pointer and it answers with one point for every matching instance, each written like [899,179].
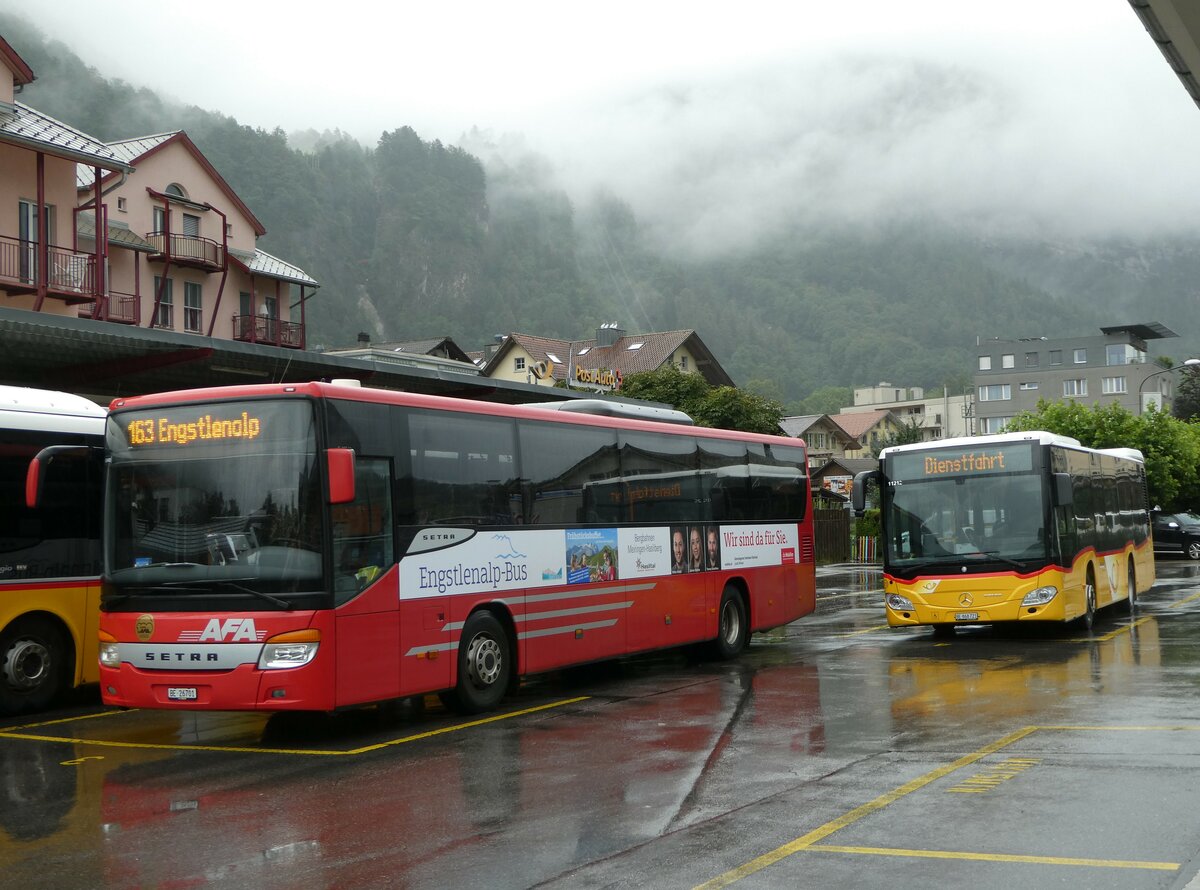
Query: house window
[1111,386]
[1080,356]
[193,312]
[1056,356]
[518,364]
[1076,387]
[992,425]
[165,317]
[1031,359]
[121,205]
[997,392]
[191,225]
[160,219]
[175,190]
[985,363]
[683,363]
[1028,386]
[228,230]
[1008,360]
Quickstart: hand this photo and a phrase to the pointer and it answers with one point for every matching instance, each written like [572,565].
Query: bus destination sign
[205,428]
[1015,458]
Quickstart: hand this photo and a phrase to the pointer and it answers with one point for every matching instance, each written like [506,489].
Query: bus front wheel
[484,665]
[1089,601]
[33,665]
[733,631]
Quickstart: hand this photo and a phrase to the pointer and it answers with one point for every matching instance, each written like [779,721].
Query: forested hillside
[413,238]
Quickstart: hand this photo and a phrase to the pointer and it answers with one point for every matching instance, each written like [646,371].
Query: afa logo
[231,630]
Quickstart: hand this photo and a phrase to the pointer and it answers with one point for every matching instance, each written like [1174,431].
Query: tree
[722,407]
[1170,446]
[909,433]
[1187,398]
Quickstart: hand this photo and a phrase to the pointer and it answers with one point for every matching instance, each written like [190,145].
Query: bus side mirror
[35,476]
[340,464]
[1064,495]
[858,491]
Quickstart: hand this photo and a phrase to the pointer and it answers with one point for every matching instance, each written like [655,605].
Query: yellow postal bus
[49,556]
[1026,526]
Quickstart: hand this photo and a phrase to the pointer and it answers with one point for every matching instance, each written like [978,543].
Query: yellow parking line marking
[842,596]
[1186,599]
[1104,638]
[818,834]
[1148,728]
[869,630]
[112,713]
[1000,857]
[151,746]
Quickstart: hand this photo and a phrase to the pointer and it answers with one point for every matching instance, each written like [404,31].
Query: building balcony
[187,250]
[271,331]
[121,308]
[72,277]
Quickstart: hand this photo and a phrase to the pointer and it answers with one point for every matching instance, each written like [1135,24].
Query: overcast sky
[716,120]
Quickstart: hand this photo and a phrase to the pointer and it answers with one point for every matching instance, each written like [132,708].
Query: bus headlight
[898,603]
[1040,597]
[289,650]
[110,651]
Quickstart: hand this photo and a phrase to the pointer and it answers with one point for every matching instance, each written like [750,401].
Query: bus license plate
[182,693]
[966,616]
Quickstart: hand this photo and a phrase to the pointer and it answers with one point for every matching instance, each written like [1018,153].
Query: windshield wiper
[1004,559]
[174,586]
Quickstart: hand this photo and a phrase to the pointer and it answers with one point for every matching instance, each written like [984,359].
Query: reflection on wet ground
[876,740]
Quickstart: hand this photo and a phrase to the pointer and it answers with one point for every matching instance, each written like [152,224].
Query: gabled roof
[22,73]
[142,147]
[630,354]
[845,466]
[441,347]
[29,128]
[259,262]
[799,425]
[860,422]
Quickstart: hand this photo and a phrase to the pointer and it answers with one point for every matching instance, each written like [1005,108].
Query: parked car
[1177,533]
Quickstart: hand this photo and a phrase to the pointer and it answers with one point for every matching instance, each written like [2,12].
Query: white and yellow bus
[1027,526]
[50,556]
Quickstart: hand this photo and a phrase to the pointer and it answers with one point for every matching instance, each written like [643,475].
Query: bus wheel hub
[26,664]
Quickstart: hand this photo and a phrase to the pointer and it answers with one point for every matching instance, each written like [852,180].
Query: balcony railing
[122,308]
[187,250]
[264,329]
[72,274]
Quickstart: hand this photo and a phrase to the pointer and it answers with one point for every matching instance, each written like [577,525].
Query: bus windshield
[943,510]
[222,498]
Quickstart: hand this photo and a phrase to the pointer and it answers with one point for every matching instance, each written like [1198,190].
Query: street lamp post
[1187,363]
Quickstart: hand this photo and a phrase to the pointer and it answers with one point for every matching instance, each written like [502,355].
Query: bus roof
[1040,437]
[337,390]
[22,408]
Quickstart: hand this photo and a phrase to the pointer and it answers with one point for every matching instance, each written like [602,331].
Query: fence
[831,529]
[864,549]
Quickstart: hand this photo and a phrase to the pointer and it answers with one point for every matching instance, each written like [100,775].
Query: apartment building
[142,232]
[941,416]
[1115,366]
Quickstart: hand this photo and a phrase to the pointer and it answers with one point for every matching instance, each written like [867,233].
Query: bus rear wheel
[33,665]
[733,631]
[1131,600]
[484,666]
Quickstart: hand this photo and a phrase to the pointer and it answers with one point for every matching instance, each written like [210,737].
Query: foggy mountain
[832,223]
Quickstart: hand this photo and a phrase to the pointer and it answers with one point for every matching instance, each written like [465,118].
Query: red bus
[319,546]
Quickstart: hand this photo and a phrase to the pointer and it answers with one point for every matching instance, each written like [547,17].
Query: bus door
[365,587]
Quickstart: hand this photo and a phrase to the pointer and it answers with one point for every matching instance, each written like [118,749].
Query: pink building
[178,250]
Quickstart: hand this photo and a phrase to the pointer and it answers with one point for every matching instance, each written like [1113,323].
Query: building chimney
[608,334]
[363,338]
